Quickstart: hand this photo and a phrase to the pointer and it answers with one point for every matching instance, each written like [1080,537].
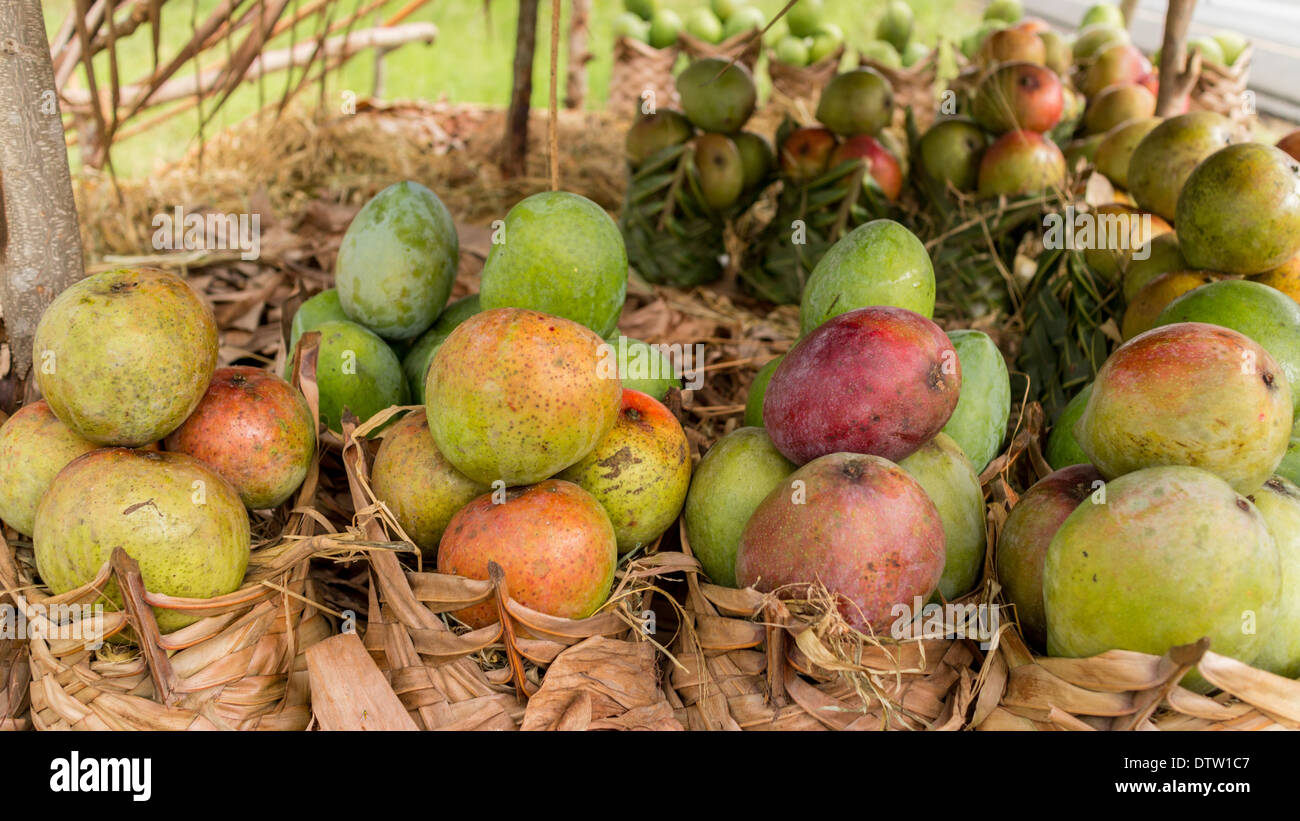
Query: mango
[519,396]
[1167,155]
[552,539]
[123,357]
[878,263]
[34,447]
[1278,502]
[1155,296]
[1026,536]
[857,524]
[415,364]
[877,380]
[561,254]
[757,391]
[1189,394]
[1264,314]
[1285,278]
[951,151]
[654,132]
[397,261]
[255,430]
[183,524]
[1062,448]
[860,101]
[1117,105]
[979,422]
[717,95]
[950,480]
[1161,255]
[1239,211]
[1019,95]
[1117,146]
[639,472]
[737,473]
[355,369]
[1172,555]
[1021,163]
[417,483]
[322,307]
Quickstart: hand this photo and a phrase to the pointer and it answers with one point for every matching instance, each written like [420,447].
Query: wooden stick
[575,83]
[553,121]
[271,61]
[515,161]
[1178,73]
[141,617]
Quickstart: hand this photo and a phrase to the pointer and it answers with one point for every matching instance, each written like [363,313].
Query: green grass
[470,62]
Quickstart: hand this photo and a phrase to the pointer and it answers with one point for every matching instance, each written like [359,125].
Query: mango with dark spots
[552,539]
[183,524]
[417,483]
[1239,211]
[255,430]
[737,473]
[34,447]
[1189,394]
[639,472]
[979,421]
[519,395]
[561,254]
[878,380]
[858,525]
[397,261]
[1278,502]
[1026,535]
[415,364]
[1166,556]
[124,356]
[355,369]
[949,479]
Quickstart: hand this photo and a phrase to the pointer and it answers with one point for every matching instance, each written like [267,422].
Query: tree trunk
[1177,73]
[516,154]
[1128,8]
[40,244]
[575,82]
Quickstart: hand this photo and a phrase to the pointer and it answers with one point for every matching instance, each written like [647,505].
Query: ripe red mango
[878,380]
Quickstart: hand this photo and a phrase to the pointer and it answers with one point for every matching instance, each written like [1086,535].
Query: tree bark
[575,81]
[1128,8]
[40,243]
[1177,73]
[516,154]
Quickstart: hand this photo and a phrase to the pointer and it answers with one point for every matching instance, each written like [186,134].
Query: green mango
[560,254]
[323,307]
[737,473]
[979,422]
[1062,448]
[357,370]
[397,261]
[1264,314]
[646,368]
[1290,467]
[878,263]
[416,362]
[950,480]
[1279,503]
[757,390]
